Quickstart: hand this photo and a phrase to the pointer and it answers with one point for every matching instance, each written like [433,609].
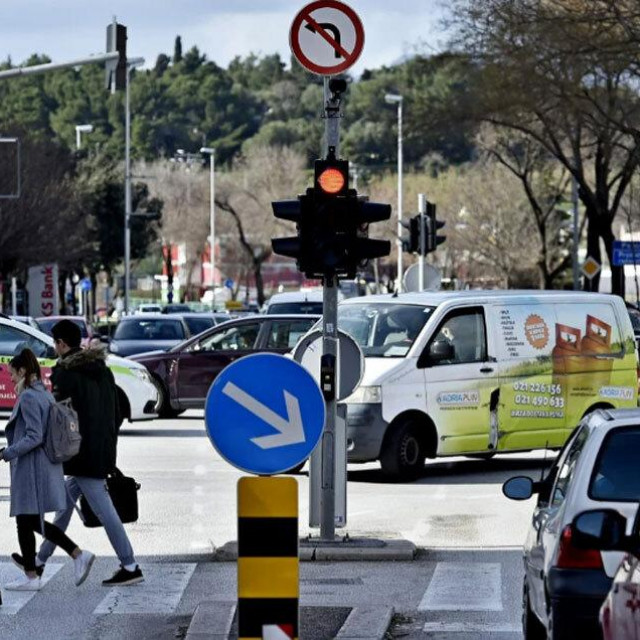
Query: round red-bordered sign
[329,37]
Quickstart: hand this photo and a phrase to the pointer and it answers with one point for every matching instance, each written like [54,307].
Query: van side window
[461,339]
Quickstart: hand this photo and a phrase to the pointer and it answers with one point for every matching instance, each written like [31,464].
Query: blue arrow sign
[264,414]
[625,253]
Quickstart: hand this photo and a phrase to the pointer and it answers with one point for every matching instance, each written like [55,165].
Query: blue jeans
[96,494]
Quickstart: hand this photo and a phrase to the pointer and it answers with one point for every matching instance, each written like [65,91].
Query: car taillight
[570,557]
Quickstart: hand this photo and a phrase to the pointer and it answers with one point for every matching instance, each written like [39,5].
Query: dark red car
[184,373]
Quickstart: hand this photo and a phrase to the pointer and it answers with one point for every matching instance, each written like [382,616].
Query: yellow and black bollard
[268,565]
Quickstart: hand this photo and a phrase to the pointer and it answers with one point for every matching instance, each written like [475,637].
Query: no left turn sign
[326,37]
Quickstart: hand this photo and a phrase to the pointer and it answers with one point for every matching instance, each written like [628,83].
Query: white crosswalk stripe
[13,601]
[468,586]
[160,592]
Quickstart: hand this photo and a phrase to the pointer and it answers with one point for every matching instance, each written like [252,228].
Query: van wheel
[403,454]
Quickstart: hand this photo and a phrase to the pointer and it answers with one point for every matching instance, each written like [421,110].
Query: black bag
[124,495]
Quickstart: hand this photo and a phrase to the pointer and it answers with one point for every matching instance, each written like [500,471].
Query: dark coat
[83,376]
[37,485]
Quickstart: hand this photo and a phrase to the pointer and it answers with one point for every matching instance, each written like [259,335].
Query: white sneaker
[82,565]
[25,583]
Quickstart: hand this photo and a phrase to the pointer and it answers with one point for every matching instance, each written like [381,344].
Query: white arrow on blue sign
[264,414]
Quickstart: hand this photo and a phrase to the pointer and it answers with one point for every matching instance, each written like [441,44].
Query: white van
[480,372]
[303,301]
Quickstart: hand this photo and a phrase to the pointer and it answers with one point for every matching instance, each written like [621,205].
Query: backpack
[62,438]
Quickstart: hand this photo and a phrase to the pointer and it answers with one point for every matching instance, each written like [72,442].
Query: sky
[222,29]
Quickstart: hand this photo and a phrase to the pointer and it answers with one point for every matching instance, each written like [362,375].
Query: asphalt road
[188,508]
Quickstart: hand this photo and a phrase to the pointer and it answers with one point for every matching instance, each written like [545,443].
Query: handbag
[124,495]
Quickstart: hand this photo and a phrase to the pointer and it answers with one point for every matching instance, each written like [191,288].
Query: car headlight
[366,395]
[114,348]
[143,374]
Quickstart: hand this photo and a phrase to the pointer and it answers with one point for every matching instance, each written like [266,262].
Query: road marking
[160,592]
[458,586]
[13,601]
[471,627]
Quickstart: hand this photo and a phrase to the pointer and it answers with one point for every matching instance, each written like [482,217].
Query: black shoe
[19,562]
[123,578]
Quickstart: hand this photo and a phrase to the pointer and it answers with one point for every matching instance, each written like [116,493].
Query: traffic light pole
[329,346]
[422,211]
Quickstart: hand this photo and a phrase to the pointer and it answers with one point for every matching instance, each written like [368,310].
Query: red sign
[326,37]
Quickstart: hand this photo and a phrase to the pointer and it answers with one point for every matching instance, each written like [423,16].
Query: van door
[532,406]
[460,377]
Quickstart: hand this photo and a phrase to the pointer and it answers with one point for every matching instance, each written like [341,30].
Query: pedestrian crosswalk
[160,593]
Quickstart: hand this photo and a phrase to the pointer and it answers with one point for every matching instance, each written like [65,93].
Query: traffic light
[432,226]
[116,70]
[411,243]
[333,224]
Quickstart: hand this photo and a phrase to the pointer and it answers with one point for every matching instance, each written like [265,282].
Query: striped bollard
[268,565]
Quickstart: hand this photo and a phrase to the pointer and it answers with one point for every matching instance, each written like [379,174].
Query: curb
[367,623]
[213,620]
[351,549]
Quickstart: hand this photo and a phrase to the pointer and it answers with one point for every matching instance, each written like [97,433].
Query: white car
[565,583]
[137,394]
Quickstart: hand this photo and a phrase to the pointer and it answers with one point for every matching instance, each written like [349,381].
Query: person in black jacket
[83,376]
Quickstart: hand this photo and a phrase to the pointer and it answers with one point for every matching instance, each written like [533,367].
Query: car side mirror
[519,488]
[50,353]
[104,339]
[438,351]
[602,529]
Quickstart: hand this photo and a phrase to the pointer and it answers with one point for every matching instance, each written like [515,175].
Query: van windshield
[383,330]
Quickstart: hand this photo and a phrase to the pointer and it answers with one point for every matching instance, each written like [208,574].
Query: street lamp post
[392,98]
[131,64]
[211,152]
[80,129]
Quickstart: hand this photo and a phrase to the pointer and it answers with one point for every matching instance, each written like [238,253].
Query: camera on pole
[332,223]
[116,70]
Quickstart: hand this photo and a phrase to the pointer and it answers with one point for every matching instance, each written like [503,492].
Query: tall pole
[422,210]
[329,345]
[77,139]
[400,168]
[576,238]
[212,224]
[127,190]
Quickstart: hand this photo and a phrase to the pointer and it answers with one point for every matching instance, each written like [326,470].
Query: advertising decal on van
[554,381]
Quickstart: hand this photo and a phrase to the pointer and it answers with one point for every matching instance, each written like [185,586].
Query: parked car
[606,529]
[566,582]
[148,332]
[478,372]
[176,308]
[197,322]
[27,320]
[185,373]
[137,394]
[297,302]
[149,308]
[47,323]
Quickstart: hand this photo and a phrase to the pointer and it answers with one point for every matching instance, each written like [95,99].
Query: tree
[177,50]
[548,71]
[245,193]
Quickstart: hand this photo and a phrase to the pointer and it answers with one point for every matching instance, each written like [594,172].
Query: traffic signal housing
[116,70]
[411,243]
[432,226]
[332,223]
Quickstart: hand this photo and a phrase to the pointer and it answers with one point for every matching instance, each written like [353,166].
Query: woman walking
[37,484]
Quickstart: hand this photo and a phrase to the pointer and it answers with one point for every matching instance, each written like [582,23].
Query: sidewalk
[216,620]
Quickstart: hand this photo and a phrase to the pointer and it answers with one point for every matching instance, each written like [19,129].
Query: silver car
[564,583]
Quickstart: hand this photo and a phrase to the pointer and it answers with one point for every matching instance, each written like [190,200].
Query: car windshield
[150,329]
[198,325]
[47,325]
[383,329]
[615,476]
[314,308]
